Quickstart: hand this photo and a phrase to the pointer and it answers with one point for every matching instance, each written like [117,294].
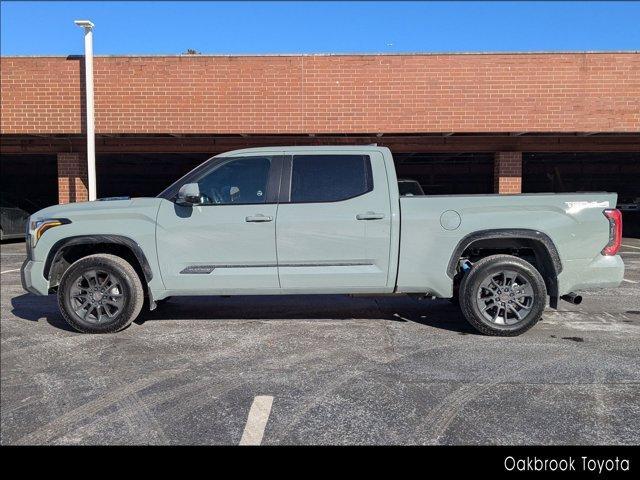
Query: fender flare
[507,233]
[58,248]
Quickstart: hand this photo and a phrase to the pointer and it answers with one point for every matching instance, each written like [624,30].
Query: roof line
[355,54]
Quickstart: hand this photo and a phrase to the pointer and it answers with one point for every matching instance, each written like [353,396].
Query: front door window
[240,181]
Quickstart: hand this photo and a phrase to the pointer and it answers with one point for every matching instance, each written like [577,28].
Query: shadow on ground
[434,313]
[7,241]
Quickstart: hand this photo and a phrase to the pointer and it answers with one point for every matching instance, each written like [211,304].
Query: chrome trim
[206,269]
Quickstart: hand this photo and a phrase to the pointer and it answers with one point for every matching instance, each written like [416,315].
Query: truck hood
[77,211]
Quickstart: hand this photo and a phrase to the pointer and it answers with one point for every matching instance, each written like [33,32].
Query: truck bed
[435,225]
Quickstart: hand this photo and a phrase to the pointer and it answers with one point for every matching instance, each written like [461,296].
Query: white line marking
[630,281]
[9,271]
[630,246]
[257,420]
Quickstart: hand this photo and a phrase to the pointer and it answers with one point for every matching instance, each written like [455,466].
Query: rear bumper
[600,272]
[32,279]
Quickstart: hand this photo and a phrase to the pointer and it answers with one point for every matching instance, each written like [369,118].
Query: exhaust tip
[572,298]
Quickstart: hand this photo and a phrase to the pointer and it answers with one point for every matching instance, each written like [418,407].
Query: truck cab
[304,219]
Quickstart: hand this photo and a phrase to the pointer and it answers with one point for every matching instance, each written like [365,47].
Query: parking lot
[334,370]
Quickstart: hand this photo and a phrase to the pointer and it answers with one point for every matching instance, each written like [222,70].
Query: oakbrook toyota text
[569,464]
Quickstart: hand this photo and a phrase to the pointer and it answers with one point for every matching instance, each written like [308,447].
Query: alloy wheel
[505,297]
[97,296]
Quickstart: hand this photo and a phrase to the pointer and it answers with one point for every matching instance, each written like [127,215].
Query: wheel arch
[544,249]
[67,250]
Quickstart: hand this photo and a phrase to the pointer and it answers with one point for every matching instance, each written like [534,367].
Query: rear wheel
[503,295]
[100,294]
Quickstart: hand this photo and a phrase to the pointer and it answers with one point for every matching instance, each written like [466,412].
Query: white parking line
[630,246]
[9,271]
[257,420]
[630,281]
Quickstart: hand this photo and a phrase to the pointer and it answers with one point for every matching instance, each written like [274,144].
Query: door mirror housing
[189,194]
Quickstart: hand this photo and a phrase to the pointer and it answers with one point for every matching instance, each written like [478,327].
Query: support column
[507,172]
[72,178]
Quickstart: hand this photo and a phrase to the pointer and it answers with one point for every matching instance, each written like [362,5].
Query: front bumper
[600,272]
[32,278]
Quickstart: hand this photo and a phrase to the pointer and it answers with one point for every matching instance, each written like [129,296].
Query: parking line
[630,246]
[9,271]
[257,420]
[630,281]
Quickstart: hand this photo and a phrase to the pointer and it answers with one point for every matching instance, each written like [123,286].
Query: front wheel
[100,294]
[503,295]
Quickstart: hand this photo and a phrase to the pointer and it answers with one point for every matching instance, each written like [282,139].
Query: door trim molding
[208,268]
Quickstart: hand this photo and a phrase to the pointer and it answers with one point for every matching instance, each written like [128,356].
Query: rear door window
[329,178]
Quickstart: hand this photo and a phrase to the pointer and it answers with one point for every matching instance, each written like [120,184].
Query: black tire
[474,293]
[106,311]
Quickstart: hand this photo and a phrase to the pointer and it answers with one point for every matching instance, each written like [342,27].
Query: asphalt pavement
[320,370]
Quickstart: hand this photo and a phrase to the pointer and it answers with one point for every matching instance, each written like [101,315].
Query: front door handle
[370,216]
[258,218]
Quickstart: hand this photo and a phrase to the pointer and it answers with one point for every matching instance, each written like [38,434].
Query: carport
[447,173]
[31,180]
[588,172]
[581,172]
[141,174]
[146,174]
[444,163]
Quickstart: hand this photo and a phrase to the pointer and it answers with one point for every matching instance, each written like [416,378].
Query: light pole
[88,81]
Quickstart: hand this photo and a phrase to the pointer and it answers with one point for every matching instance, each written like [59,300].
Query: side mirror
[189,194]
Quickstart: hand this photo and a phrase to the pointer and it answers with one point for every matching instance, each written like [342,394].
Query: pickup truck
[321,220]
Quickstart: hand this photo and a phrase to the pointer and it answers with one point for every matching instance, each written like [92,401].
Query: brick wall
[72,178]
[507,172]
[326,94]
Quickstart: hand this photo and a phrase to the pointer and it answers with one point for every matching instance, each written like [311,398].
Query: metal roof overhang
[398,142]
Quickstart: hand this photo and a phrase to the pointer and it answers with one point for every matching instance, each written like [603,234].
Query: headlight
[38,227]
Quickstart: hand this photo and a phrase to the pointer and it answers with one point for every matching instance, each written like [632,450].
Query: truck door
[227,242]
[334,223]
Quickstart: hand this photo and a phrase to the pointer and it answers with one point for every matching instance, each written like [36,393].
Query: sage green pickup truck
[321,220]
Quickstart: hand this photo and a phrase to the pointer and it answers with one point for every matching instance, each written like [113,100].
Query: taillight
[615,231]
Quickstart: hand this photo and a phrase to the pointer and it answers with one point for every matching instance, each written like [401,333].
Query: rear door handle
[258,218]
[370,216]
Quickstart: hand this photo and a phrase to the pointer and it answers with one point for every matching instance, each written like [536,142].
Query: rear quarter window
[330,178]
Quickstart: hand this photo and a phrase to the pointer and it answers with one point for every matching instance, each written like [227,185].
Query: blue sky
[46,28]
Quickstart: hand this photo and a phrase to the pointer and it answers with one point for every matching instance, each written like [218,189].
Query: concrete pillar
[507,172]
[72,178]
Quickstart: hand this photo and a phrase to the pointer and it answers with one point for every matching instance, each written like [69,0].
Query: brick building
[459,123]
